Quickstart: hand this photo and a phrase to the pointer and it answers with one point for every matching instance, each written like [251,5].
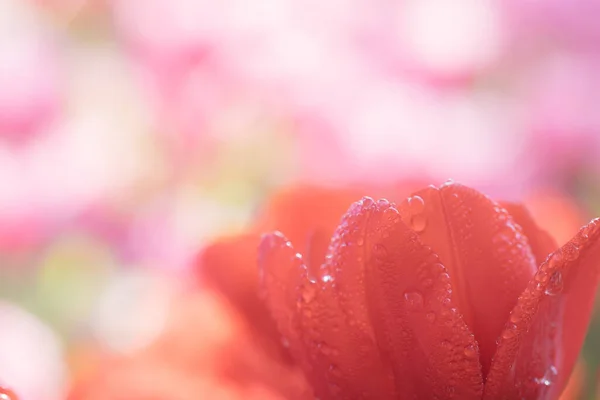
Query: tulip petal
[299,211]
[432,351]
[542,338]
[317,318]
[229,266]
[351,330]
[487,256]
[540,241]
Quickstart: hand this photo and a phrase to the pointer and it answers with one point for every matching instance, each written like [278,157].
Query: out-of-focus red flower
[447,295]
[438,296]
[206,351]
[556,213]
[7,394]
[308,214]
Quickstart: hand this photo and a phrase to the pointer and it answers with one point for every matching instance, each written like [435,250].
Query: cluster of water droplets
[549,282]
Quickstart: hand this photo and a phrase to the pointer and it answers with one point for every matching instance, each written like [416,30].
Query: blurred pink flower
[560,94]
[438,42]
[30,73]
[555,22]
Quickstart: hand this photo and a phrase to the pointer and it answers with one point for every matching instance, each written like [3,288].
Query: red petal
[303,211]
[353,332]
[300,211]
[229,266]
[432,351]
[488,259]
[541,341]
[540,241]
[327,339]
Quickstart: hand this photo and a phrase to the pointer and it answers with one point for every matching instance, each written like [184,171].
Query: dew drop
[367,201]
[470,351]
[571,252]
[444,277]
[360,241]
[555,285]
[284,342]
[383,203]
[414,300]
[308,294]
[418,222]
[589,229]
[555,259]
[515,317]
[542,276]
[448,182]
[430,317]
[548,378]
[509,332]
[327,278]
[416,204]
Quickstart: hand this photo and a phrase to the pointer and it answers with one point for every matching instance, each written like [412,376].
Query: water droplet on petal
[414,300]
[416,204]
[548,378]
[541,276]
[571,252]
[447,183]
[430,317]
[360,241]
[470,351]
[555,285]
[515,317]
[367,201]
[383,203]
[308,294]
[418,222]
[555,259]
[509,331]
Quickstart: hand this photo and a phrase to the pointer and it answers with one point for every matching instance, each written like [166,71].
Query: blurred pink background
[134,132]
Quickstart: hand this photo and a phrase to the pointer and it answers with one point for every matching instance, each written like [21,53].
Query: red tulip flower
[446,295]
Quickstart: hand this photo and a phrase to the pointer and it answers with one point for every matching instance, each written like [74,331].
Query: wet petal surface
[377,320]
[487,256]
[544,333]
